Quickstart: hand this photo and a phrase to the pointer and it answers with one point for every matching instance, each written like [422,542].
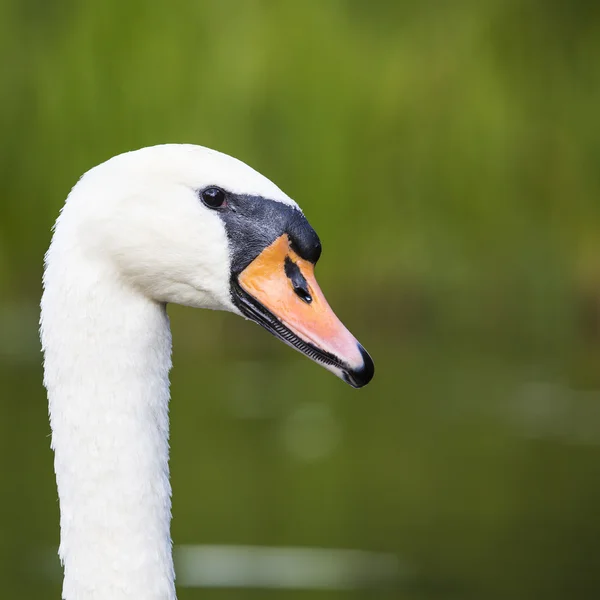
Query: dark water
[476,467]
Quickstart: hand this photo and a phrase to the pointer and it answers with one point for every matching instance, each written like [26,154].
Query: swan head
[189,225]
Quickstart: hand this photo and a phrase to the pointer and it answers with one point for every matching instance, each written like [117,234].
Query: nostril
[299,284]
[303,294]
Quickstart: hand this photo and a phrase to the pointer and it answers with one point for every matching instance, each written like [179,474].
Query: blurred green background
[448,154]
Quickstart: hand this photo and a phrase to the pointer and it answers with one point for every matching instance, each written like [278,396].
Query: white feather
[131,236]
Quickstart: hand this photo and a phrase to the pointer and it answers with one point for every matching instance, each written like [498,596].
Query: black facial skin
[252,224]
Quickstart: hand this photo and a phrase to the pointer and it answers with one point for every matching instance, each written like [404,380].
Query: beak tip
[358,378]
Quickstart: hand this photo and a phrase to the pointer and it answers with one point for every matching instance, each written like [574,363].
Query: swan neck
[107,355]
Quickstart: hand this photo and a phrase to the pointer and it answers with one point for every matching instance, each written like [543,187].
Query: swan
[170,223]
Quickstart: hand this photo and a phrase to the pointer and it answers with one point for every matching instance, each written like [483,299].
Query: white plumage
[132,236]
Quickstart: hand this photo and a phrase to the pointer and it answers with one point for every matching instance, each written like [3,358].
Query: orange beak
[280,292]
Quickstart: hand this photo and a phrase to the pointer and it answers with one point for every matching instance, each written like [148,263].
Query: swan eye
[213,197]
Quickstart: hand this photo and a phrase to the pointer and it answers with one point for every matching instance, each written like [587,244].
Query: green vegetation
[448,154]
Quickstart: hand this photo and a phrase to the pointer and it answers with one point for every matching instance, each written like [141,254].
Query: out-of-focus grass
[447,154]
